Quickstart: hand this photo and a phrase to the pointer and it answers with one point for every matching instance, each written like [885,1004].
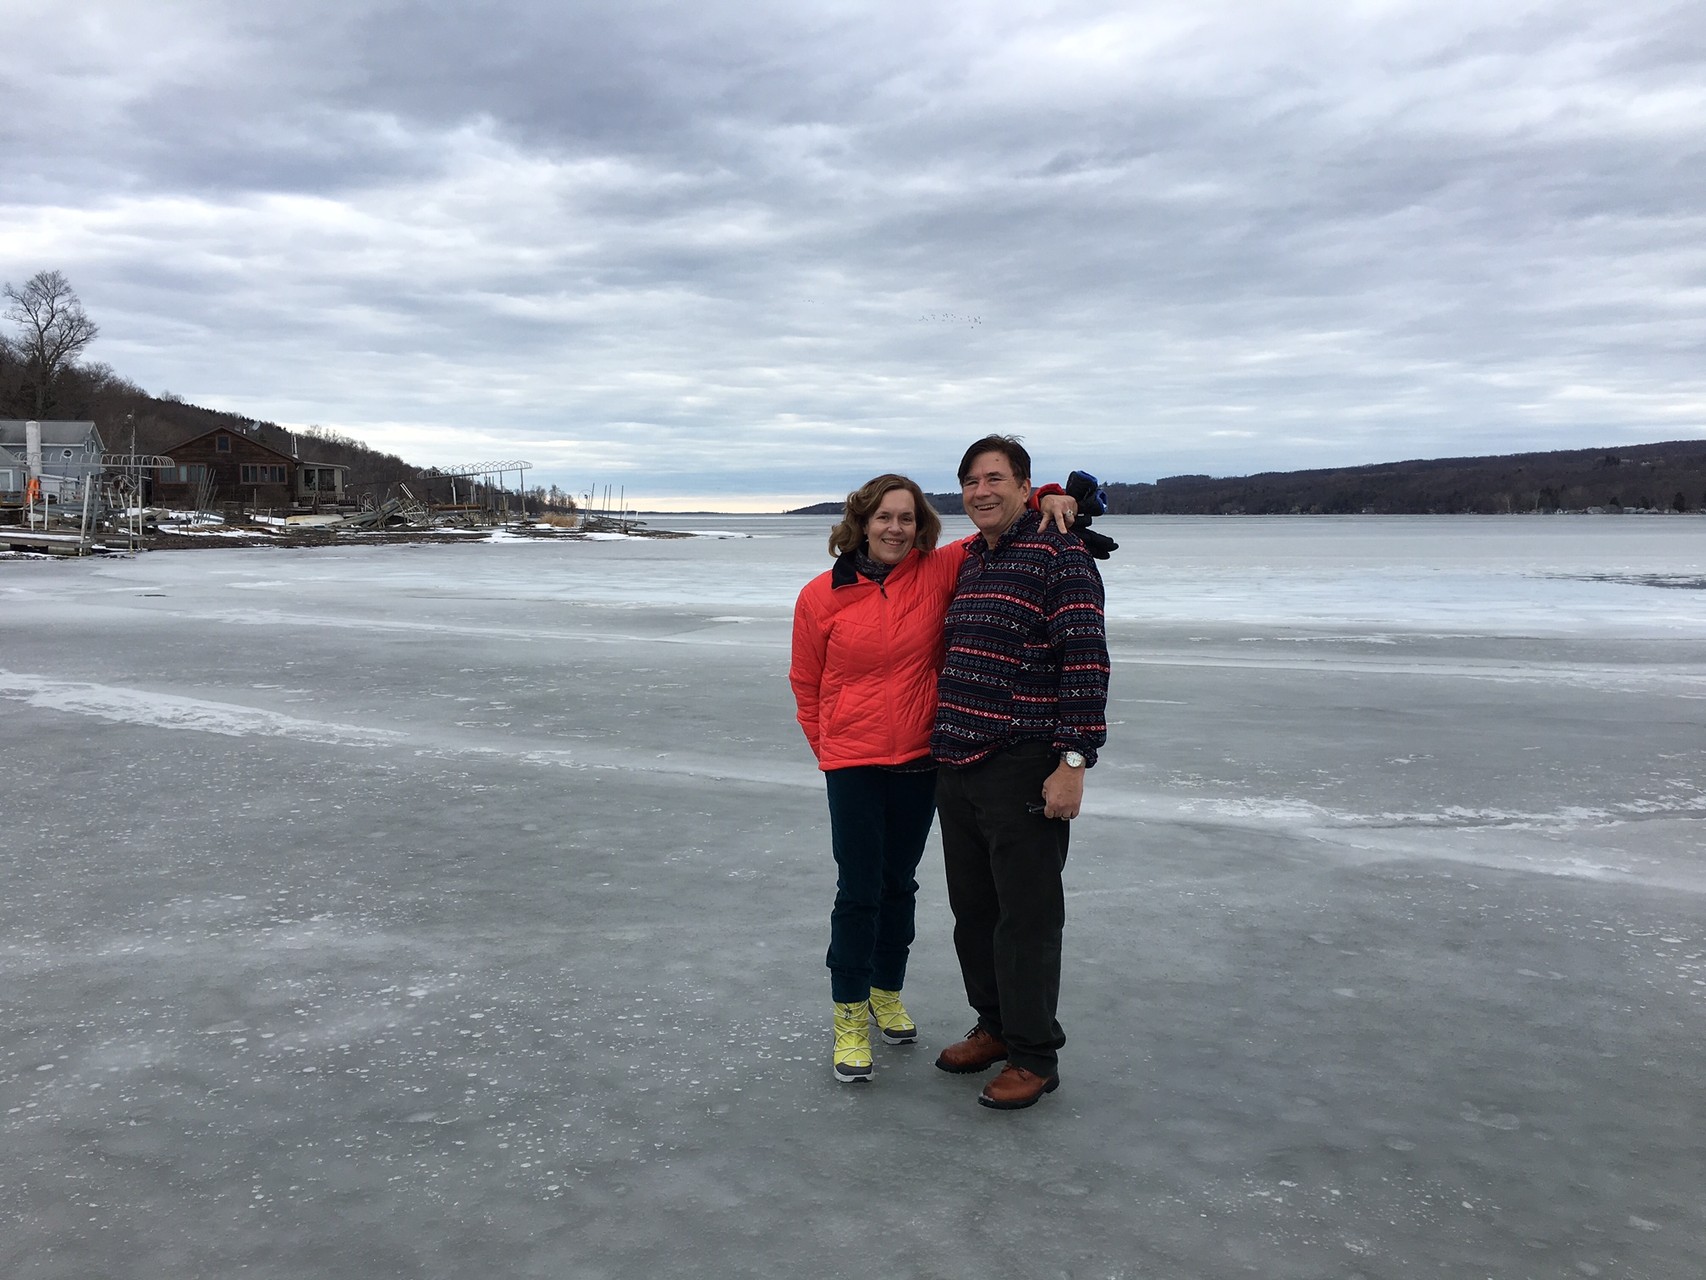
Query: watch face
[1072,759]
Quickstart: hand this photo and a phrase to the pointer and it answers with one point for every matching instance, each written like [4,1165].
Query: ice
[448,910]
[167,711]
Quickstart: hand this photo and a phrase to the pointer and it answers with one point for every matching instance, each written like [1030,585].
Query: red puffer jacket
[866,658]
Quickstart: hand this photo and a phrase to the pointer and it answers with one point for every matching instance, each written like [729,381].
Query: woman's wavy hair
[862,504]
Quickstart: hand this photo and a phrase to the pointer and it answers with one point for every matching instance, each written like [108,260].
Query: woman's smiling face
[892,529]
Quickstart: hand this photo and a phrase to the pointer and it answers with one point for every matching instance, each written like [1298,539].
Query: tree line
[43,376]
[1670,476]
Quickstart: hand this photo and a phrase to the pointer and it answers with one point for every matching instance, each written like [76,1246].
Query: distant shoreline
[1668,476]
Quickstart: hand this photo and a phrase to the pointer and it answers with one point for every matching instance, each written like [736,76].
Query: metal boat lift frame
[130,467]
[493,475]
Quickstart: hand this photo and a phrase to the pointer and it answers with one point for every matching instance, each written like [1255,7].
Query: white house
[70,458]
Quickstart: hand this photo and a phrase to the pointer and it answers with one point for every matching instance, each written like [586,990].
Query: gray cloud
[768,249]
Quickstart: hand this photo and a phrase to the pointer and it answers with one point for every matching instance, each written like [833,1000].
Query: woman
[867,650]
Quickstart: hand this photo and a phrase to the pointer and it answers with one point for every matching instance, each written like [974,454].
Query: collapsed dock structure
[62,491]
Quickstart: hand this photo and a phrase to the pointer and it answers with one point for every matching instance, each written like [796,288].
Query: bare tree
[11,374]
[52,330]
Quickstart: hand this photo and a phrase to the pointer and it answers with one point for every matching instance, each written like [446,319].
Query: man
[1021,709]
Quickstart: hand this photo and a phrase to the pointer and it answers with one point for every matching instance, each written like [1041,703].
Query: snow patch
[168,711]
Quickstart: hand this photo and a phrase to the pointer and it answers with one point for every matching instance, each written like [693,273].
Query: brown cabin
[227,468]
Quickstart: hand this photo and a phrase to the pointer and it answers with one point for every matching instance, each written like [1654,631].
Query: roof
[235,435]
[52,433]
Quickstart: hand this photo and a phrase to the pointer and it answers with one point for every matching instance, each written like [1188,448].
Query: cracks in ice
[1305,813]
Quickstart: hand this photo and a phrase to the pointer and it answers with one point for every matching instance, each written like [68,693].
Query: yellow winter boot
[891,1017]
[853,1042]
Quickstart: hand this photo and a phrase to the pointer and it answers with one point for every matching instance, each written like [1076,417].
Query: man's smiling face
[994,497]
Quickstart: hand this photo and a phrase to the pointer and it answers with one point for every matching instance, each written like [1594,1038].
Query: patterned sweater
[1027,650]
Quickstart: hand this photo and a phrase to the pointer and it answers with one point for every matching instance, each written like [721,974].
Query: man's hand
[1063,792]
[1061,509]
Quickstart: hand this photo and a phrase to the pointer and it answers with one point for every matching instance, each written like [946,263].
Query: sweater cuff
[1041,492]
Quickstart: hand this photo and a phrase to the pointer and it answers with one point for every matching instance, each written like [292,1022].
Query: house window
[190,474]
[258,473]
[222,443]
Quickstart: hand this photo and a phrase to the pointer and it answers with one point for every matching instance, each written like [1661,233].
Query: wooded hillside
[1669,476]
[131,420]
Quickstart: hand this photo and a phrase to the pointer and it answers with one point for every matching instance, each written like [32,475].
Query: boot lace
[888,1012]
[852,1041]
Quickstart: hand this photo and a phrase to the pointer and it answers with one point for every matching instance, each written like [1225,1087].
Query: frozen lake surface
[446,911]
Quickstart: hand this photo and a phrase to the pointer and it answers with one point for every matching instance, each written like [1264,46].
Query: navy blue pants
[879,820]
[1004,864]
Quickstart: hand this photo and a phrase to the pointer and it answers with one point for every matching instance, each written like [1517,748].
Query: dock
[58,544]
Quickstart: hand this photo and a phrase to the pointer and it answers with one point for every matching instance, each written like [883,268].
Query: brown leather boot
[1016,1087]
[978,1050]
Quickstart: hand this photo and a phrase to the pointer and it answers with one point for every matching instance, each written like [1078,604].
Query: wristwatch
[1073,759]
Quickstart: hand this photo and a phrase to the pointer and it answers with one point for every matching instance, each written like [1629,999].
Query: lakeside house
[70,458]
[224,467]
[14,473]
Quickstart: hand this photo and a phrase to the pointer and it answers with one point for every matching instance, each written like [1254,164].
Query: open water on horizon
[1336,537]
[1480,574]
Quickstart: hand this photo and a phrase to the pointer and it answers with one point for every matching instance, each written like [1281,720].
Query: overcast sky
[749,254]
